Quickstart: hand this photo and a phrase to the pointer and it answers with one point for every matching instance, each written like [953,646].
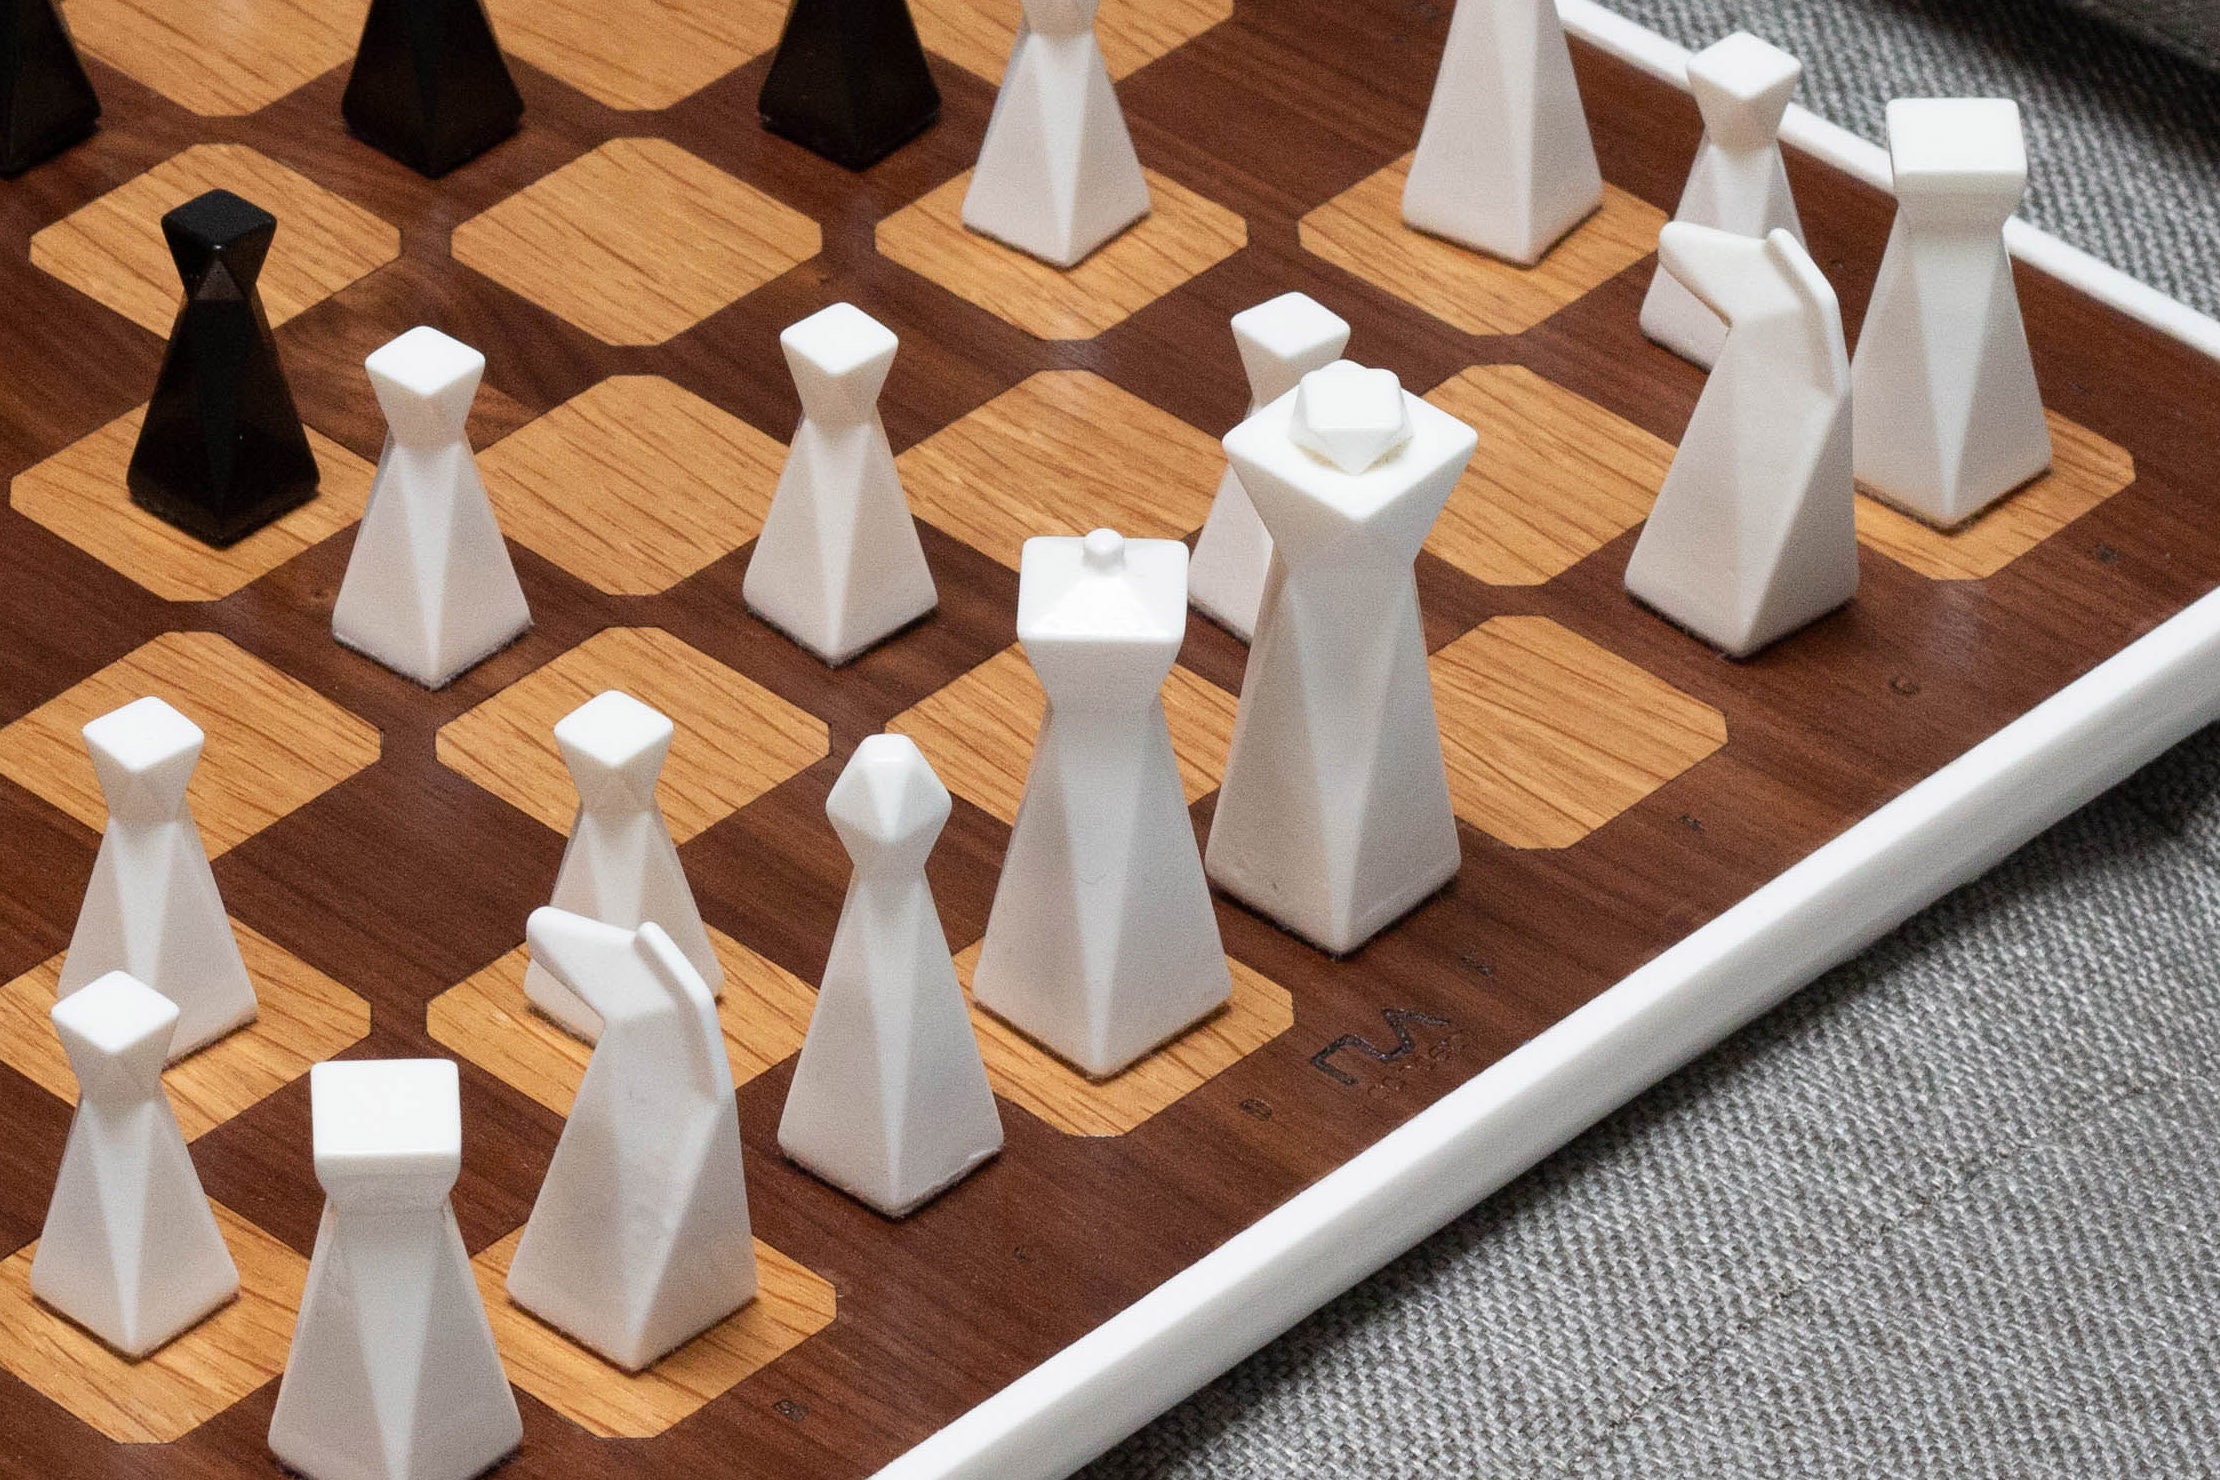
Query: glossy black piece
[46,101]
[429,85]
[222,452]
[849,80]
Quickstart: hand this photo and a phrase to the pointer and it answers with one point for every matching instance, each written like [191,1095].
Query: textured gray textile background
[1955,1209]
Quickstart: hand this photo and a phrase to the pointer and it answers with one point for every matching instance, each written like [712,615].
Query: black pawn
[429,85]
[46,101]
[222,452]
[849,80]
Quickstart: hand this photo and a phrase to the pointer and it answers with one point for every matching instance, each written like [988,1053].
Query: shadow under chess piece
[222,451]
[46,101]
[849,81]
[429,86]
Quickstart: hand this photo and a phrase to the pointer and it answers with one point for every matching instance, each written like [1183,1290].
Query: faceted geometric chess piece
[152,908]
[849,81]
[393,1373]
[889,1101]
[838,566]
[1504,163]
[1281,341]
[1057,175]
[639,1239]
[1949,419]
[131,1251]
[620,866]
[221,452]
[1754,533]
[429,86]
[1742,87]
[1102,944]
[46,101]
[429,590]
[1334,819]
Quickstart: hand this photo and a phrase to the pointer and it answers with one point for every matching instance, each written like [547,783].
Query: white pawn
[1504,163]
[131,1251]
[1738,183]
[393,1374]
[1281,341]
[429,590]
[639,1239]
[1335,818]
[1754,533]
[838,565]
[152,908]
[890,1100]
[1102,943]
[620,866]
[1057,175]
[1949,418]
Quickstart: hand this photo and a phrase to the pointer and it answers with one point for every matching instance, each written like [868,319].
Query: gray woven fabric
[1955,1209]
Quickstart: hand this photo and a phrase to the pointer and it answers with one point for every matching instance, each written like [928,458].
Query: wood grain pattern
[977,34]
[220,57]
[1184,234]
[637,53]
[636,241]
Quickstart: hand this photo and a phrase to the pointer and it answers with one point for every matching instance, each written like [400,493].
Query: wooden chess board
[626,264]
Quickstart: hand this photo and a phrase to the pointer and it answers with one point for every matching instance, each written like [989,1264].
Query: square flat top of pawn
[115,1013]
[613,729]
[393,1116]
[1289,325]
[217,218]
[1745,67]
[143,734]
[425,361]
[839,340]
[1941,142]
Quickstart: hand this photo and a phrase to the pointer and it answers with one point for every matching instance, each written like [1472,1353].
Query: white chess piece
[1335,818]
[393,1374]
[620,866]
[152,908]
[1949,418]
[1101,943]
[838,565]
[131,1251]
[429,590]
[1742,87]
[1504,163]
[1057,175]
[1281,341]
[639,1238]
[890,1101]
[1754,533]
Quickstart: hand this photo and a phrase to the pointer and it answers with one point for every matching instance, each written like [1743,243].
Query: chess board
[626,264]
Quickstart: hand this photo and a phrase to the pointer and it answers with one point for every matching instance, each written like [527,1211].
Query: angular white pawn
[393,1374]
[639,1239]
[1335,818]
[429,590]
[838,565]
[1742,87]
[152,908]
[620,866]
[130,1251]
[1754,533]
[1504,163]
[1281,341]
[1102,943]
[889,1101]
[1949,419]
[1057,176]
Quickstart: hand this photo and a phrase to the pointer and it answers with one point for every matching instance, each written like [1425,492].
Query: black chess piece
[46,101]
[222,452]
[429,85]
[849,81]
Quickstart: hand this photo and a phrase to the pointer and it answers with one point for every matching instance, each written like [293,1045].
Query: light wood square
[637,241]
[637,54]
[634,484]
[2085,470]
[112,250]
[274,743]
[792,1304]
[977,34]
[217,57]
[1548,736]
[1361,231]
[736,739]
[1183,236]
[1063,452]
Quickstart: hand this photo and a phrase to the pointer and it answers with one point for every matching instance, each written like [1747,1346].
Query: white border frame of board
[1946,831]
